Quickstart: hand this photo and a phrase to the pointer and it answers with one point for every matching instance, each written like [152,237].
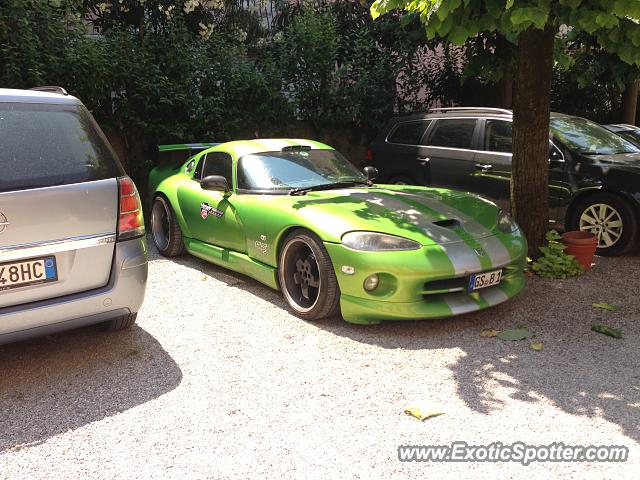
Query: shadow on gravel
[579,371]
[62,382]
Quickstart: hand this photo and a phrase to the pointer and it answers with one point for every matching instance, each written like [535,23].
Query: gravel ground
[218,380]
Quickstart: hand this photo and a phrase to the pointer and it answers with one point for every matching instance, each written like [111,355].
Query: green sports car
[297,216]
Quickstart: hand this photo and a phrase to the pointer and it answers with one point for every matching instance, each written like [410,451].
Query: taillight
[368,158]
[130,220]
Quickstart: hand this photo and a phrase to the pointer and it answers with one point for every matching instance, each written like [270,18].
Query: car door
[449,152]
[210,215]
[492,165]
[492,175]
[401,157]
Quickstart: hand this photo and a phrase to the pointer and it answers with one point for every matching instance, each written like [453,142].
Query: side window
[218,163]
[408,133]
[498,136]
[452,133]
[197,175]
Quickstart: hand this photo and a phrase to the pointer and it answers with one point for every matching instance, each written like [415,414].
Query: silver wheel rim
[298,255]
[604,221]
[160,225]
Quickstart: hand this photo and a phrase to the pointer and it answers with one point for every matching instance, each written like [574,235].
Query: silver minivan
[73,250]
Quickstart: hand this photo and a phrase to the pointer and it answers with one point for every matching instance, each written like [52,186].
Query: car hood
[428,216]
[616,160]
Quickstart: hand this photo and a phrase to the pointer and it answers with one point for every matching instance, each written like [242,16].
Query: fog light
[371,282]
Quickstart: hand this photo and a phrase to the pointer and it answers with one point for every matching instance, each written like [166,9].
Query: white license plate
[28,272]
[484,280]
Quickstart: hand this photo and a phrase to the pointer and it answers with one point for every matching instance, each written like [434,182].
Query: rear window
[408,133]
[45,145]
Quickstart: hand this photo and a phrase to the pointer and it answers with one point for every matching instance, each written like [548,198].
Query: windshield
[284,171]
[46,145]
[587,137]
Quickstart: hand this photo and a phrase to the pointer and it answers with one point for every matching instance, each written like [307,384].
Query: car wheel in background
[120,323]
[610,218]
[306,276]
[165,230]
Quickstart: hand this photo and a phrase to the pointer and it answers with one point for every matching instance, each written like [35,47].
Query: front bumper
[404,291]
[123,295]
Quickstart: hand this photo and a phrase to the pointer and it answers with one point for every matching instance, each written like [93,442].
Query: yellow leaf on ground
[424,410]
[204,278]
[489,332]
[537,346]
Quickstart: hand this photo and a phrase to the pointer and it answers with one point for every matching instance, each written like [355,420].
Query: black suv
[594,174]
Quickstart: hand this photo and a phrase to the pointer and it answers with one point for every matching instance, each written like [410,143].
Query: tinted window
[498,136]
[586,137]
[47,145]
[294,169]
[218,163]
[454,133]
[408,133]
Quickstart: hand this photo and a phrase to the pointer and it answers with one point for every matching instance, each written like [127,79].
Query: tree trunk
[506,87]
[630,103]
[531,106]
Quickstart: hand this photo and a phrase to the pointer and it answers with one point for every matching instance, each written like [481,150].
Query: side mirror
[556,159]
[216,183]
[371,172]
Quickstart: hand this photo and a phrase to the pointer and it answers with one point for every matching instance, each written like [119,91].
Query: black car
[594,174]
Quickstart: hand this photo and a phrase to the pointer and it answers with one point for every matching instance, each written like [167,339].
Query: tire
[609,217]
[306,276]
[165,229]
[402,180]
[120,323]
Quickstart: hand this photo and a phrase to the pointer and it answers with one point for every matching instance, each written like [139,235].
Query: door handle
[483,167]
[423,160]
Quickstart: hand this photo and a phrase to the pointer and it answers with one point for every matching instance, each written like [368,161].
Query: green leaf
[515,335]
[606,306]
[529,15]
[606,20]
[458,35]
[607,330]
[536,346]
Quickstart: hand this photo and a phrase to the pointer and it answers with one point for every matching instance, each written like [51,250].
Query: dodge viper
[297,216]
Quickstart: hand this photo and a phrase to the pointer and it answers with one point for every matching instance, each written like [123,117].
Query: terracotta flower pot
[581,245]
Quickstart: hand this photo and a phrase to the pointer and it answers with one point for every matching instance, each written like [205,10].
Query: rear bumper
[123,294]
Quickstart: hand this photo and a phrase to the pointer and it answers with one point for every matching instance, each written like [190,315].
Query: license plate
[484,280]
[28,272]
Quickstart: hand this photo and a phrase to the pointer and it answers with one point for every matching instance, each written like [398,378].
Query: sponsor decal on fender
[206,210]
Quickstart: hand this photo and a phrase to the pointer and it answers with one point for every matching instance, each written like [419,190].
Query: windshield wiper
[330,186]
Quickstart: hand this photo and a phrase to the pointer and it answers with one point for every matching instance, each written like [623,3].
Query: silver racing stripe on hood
[493,247]
[463,258]
[409,214]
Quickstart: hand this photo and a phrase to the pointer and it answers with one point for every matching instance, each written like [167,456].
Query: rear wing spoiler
[179,153]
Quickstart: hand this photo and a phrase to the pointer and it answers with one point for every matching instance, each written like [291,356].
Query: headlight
[377,242]
[506,223]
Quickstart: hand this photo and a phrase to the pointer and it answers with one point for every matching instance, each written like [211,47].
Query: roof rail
[51,89]
[471,110]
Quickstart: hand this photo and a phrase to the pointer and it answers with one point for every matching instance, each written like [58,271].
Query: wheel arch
[170,195]
[570,212]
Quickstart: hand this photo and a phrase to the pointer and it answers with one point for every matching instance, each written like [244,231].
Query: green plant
[554,263]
